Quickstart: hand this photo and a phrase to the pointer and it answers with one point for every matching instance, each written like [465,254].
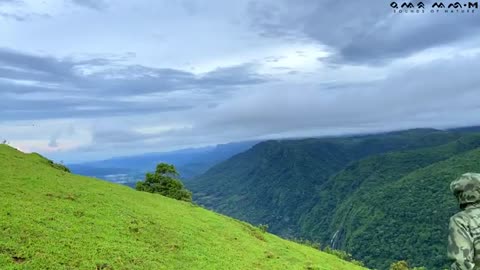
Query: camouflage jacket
[464,239]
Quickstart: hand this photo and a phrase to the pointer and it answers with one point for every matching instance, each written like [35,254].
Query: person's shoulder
[460,217]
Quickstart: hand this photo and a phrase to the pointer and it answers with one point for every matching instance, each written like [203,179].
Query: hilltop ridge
[53,219]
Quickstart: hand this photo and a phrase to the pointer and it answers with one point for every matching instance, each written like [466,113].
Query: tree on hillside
[400,265]
[403,265]
[165,182]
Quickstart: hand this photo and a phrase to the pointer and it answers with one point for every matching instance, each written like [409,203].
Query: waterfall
[332,241]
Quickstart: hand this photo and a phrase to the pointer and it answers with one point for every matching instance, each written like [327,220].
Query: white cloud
[130,77]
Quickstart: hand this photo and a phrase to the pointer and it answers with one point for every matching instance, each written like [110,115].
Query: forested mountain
[380,197]
[51,219]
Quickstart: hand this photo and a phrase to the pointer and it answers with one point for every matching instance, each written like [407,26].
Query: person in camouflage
[464,228]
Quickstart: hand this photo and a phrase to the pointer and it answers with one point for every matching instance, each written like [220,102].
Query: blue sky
[88,79]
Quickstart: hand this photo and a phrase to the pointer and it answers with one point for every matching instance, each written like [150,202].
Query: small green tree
[403,265]
[400,265]
[165,182]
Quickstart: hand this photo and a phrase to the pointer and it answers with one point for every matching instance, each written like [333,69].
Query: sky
[91,79]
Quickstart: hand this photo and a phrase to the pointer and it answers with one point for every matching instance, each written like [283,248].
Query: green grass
[50,219]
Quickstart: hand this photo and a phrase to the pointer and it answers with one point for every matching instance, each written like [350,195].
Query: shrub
[165,182]
[403,265]
[263,227]
[59,166]
[400,265]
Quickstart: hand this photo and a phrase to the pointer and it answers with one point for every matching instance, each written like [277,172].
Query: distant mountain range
[381,197]
[189,162]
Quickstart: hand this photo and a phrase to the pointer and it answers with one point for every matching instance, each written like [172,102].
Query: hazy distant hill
[381,197]
[189,162]
[51,219]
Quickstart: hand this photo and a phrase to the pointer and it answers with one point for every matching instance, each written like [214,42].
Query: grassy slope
[53,220]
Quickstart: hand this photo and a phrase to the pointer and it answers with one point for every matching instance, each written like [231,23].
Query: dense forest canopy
[383,198]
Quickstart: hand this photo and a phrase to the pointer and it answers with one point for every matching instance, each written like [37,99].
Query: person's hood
[466,189]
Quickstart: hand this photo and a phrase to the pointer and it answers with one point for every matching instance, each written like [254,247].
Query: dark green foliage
[381,198]
[276,182]
[402,207]
[164,181]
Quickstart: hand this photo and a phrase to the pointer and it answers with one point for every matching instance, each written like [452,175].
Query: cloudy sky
[91,79]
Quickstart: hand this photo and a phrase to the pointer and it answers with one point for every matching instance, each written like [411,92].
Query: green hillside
[50,219]
[277,182]
[362,190]
[404,195]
